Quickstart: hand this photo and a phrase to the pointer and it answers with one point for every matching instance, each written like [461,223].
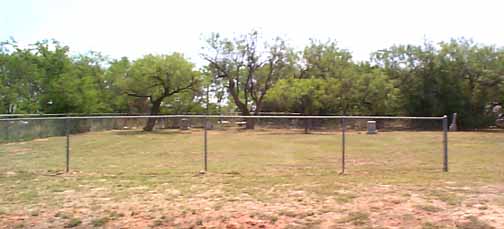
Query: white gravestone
[453,125]
[371,127]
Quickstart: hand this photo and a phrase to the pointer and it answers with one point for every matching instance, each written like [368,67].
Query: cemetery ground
[255,179]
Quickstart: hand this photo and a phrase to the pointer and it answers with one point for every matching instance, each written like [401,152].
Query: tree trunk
[250,124]
[307,125]
[151,122]
[307,104]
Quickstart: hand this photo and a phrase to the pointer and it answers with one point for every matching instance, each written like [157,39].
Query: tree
[157,78]
[44,78]
[375,93]
[328,82]
[416,71]
[58,82]
[247,68]
[298,95]
[458,76]
[478,72]
[250,75]
[19,79]
[112,86]
[90,92]
[325,60]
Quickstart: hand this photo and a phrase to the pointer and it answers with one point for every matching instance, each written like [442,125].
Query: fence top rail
[124,114]
[220,116]
[61,115]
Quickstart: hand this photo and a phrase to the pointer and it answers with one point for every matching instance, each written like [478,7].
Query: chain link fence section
[28,128]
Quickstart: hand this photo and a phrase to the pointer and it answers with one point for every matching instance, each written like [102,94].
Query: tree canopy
[250,75]
[158,77]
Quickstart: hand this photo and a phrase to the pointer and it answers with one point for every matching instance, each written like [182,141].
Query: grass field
[256,179]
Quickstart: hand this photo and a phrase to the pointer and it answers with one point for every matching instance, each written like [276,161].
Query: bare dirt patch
[377,206]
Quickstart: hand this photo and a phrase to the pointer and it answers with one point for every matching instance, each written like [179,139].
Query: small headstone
[497,109]
[453,125]
[242,123]
[209,126]
[371,127]
[500,122]
[185,124]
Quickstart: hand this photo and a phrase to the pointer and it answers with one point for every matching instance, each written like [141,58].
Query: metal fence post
[67,133]
[206,124]
[206,145]
[445,143]
[343,127]
[7,131]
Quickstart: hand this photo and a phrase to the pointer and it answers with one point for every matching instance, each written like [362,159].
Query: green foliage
[298,95]
[19,79]
[100,222]
[74,222]
[325,60]
[113,83]
[152,74]
[458,76]
[164,80]
[330,83]
[249,75]
[45,79]
[248,67]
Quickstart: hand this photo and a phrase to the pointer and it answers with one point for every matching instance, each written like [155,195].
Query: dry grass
[142,177]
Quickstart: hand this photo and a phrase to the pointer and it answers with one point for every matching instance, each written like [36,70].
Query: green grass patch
[428,208]
[115,215]
[100,222]
[356,218]
[74,222]
[430,225]
[62,215]
[449,198]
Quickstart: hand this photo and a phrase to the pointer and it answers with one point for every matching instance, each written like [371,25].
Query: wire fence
[24,128]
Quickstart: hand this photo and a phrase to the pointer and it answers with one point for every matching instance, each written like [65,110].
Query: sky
[134,28]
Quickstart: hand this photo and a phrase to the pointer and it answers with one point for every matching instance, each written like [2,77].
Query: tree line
[250,75]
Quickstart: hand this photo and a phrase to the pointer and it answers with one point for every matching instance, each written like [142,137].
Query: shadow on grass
[496,130]
[322,131]
[156,132]
[295,132]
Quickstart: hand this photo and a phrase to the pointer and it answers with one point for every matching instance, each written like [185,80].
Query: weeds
[100,222]
[74,222]
[428,208]
[447,197]
[356,218]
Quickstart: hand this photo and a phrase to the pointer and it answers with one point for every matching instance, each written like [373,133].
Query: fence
[25,128]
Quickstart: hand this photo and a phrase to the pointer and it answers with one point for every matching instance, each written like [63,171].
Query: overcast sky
[134,28]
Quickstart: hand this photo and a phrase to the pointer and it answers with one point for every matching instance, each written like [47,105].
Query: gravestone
[453,125]
[184,124]
[371,127]
[209,125]
[499,121]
